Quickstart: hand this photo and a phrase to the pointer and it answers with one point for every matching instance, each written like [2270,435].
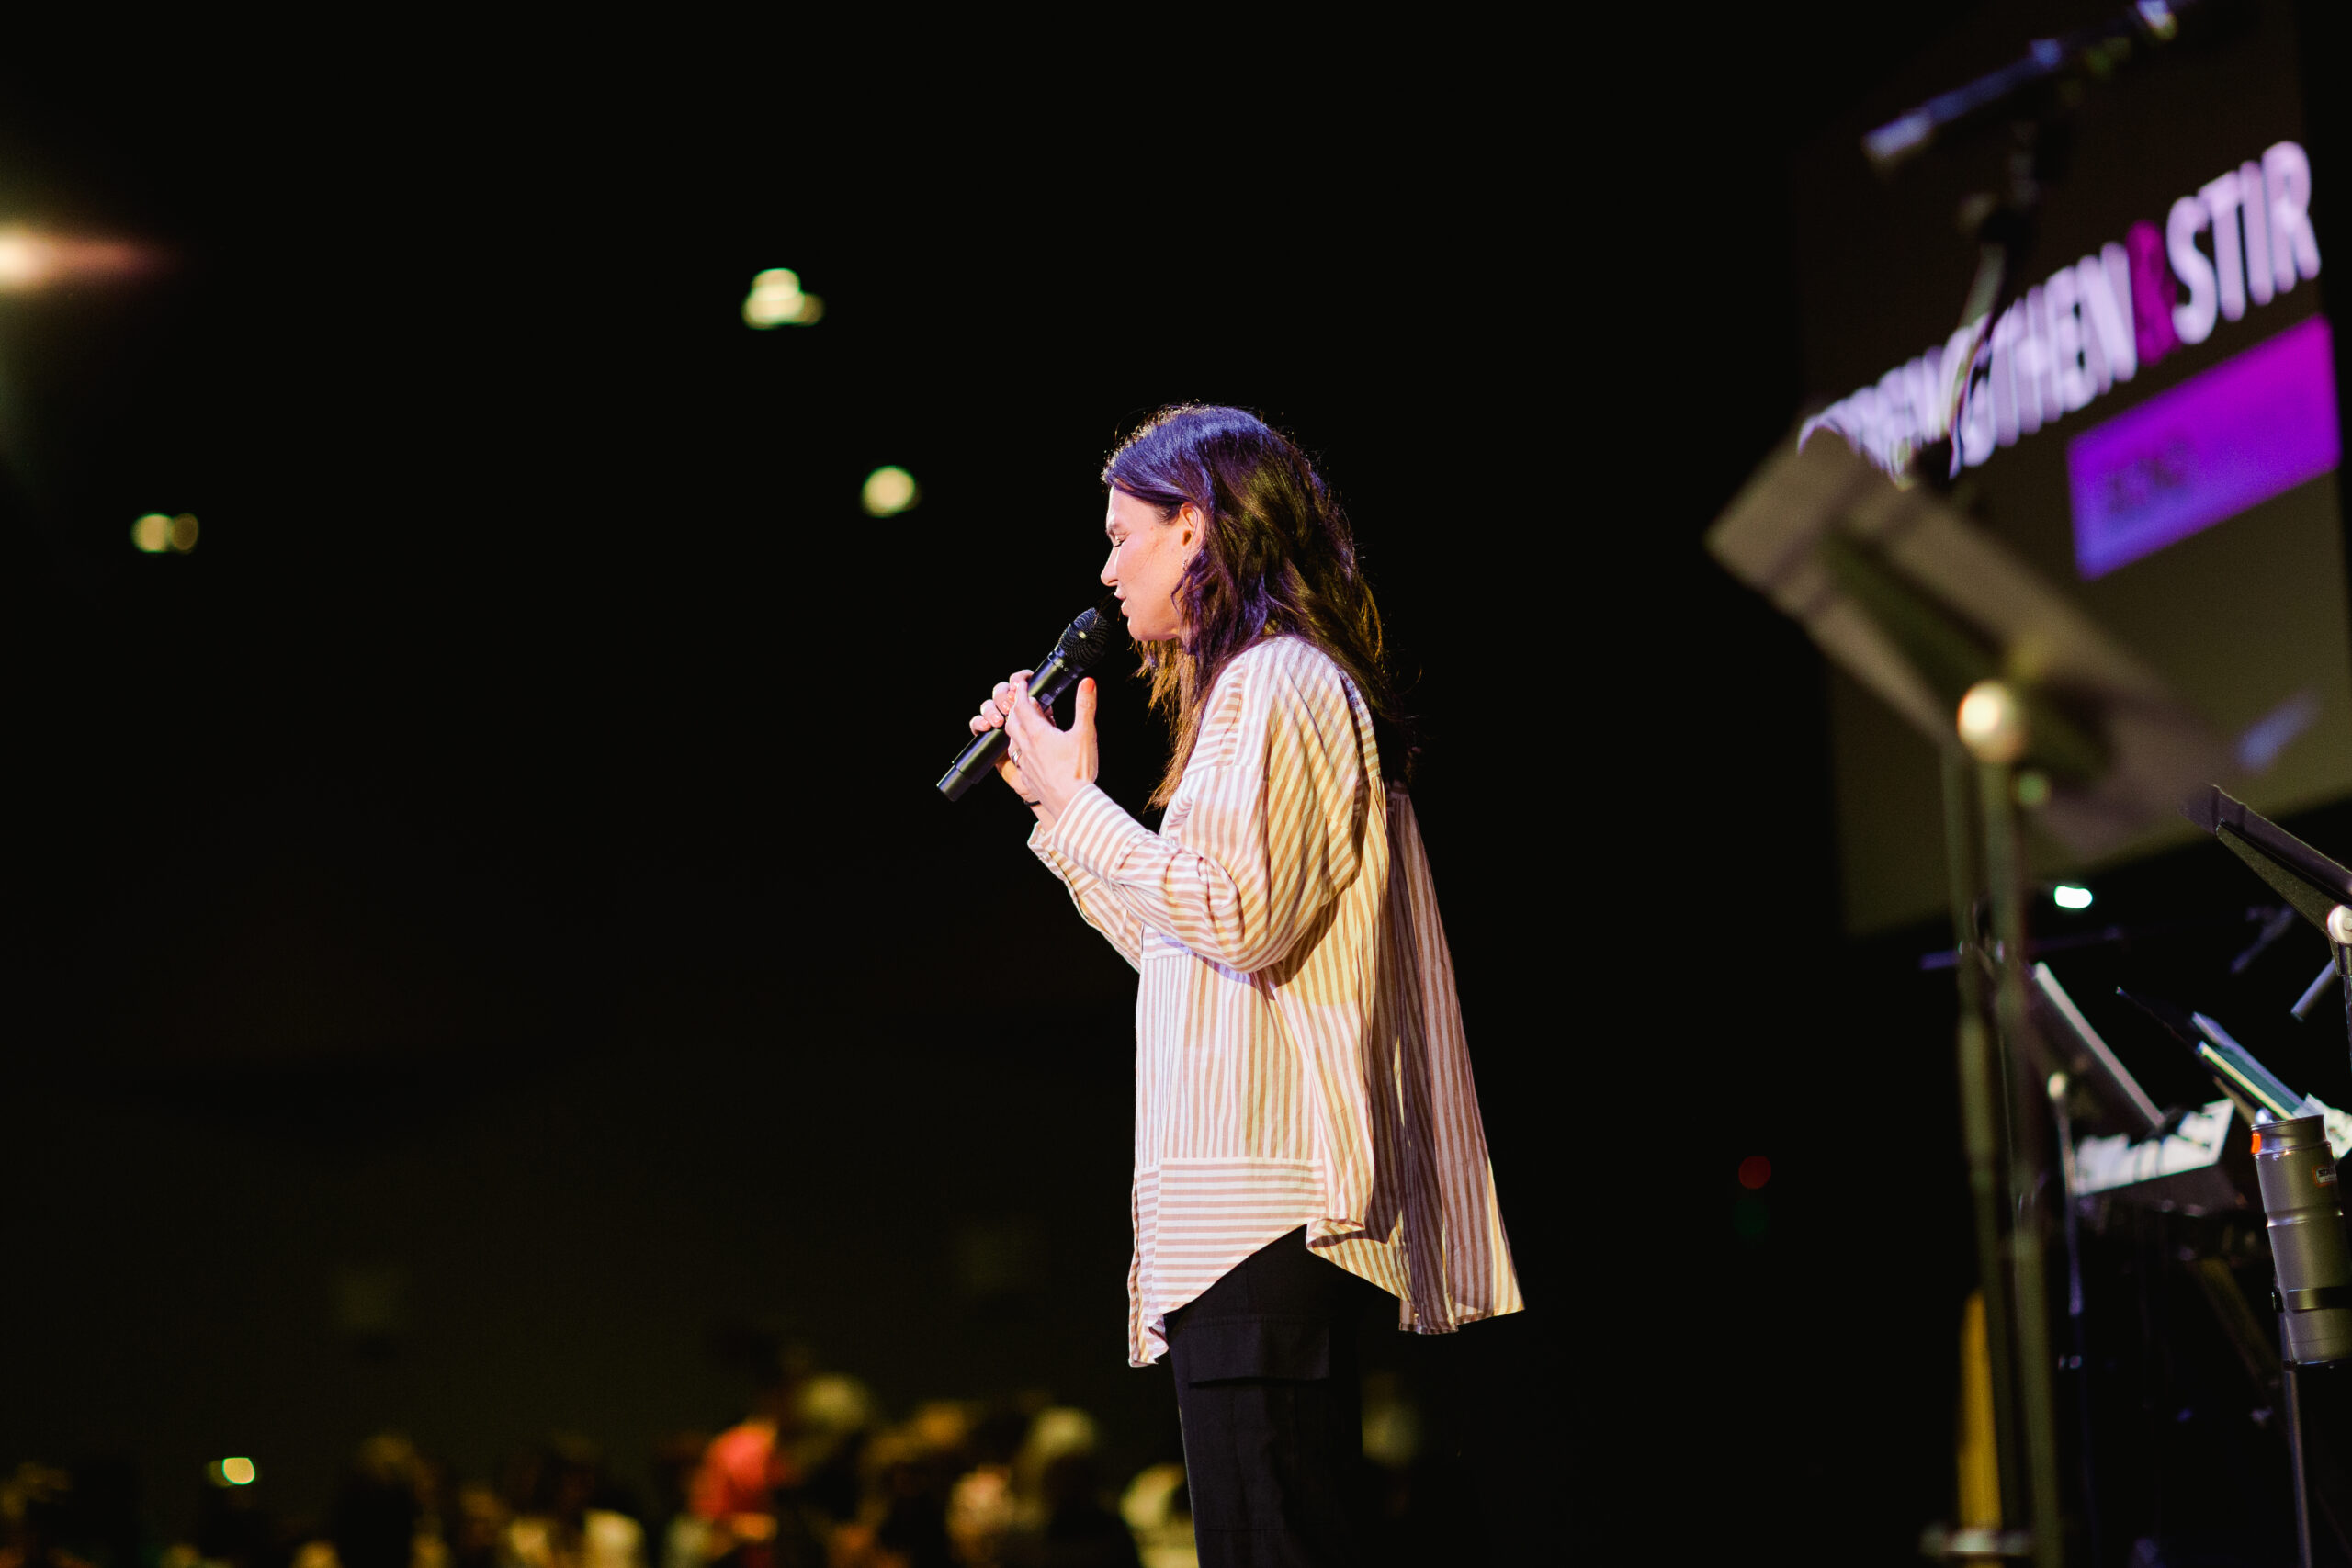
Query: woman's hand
[991,717]
[1054,764]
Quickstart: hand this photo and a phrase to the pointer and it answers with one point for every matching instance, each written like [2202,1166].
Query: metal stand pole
[2079,1340]
[1980,1114]
[2339,944]
[2030,1141]
[2295,1455]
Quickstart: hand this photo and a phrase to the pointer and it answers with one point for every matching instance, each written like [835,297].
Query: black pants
[1270,1397]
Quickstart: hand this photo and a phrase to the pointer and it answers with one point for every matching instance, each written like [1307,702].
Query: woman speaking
[1305,1114]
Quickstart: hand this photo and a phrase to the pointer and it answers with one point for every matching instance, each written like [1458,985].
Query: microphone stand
[2338,926]
[2078,1358]
[2297,1460]
[1983,1134]
[2030,1141]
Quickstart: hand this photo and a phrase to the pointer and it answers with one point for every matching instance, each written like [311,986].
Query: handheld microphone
[1085,641]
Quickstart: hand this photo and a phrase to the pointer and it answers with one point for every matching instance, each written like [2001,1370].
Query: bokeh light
[776,299]
[235,1471]
[889,492]
[158,532]
[1992,723]
[2068,896]
[1755,1171]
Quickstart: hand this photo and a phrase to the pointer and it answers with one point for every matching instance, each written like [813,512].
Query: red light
[1755,1171]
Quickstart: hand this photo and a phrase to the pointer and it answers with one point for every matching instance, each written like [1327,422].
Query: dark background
[480,939]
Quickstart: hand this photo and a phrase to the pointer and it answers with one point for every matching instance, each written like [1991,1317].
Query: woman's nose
[1110,570]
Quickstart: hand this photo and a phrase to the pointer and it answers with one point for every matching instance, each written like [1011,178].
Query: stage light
[1755,1171]
[776,299]
[2066,896]
[156,533]
[889,492]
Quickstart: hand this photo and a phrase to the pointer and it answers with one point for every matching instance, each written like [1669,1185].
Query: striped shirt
[1299,1053]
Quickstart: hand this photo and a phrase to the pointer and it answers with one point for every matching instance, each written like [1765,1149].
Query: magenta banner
[2257,425]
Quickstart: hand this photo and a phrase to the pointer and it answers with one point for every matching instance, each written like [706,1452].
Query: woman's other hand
[1054,764]
[991,717]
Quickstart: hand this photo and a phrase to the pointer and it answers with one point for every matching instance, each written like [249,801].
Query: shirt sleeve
[1096,904]
[1277,801]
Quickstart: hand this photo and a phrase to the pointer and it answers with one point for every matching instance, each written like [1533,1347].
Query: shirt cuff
[1091,833]
[1041,844]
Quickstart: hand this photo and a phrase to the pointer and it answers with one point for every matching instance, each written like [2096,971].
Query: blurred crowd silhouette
[814,1476]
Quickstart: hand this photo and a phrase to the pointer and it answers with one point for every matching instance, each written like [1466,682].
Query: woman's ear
[1192,528]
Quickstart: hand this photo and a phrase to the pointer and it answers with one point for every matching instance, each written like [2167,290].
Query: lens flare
[30,260]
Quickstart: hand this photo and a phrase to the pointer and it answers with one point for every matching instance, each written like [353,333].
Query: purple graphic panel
[2254,425]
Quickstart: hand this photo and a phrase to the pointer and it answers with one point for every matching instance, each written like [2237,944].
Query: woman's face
[1148,560]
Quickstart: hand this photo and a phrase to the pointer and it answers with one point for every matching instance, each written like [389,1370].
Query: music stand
[2091,1058]
[1939,619]
[2319,889]
[1920,605]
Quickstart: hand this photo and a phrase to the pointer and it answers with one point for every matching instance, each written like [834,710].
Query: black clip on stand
[2338,926]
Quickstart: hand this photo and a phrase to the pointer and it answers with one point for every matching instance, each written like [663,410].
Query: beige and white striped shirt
[1299,1052]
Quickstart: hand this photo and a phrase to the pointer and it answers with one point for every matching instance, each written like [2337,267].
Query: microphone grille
[1094,634]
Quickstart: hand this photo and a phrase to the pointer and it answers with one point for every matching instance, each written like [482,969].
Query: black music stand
[2319,889]
[2030,706]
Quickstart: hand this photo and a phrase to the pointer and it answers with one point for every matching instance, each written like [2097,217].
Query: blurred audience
[385,1507]
[35,1509]
[731,1516]
[558,1522]
[811,1477]
[1158,1508]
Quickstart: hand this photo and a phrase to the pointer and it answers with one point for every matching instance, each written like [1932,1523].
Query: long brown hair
[1276,555]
